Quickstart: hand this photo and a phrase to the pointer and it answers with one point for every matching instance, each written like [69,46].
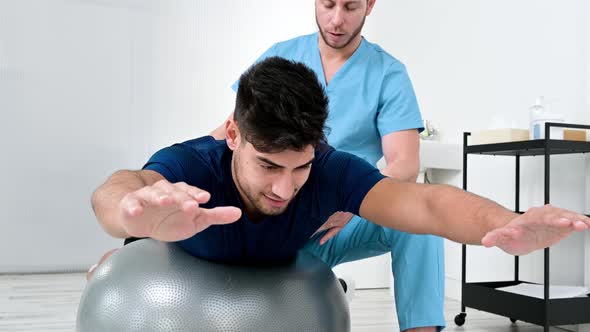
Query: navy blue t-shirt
[338,181]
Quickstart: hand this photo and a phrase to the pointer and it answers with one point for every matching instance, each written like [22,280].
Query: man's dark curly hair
[281,105]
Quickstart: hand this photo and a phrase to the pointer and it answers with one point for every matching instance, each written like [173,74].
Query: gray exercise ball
[155,286]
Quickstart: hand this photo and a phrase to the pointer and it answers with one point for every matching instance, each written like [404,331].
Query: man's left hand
[538,228]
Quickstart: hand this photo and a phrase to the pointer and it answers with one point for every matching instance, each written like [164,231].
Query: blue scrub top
[370,96]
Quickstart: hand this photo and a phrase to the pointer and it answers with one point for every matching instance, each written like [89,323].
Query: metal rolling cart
[485,295]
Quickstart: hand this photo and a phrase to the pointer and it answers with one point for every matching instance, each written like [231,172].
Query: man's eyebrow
[270,162]
[307,163]
[351,2]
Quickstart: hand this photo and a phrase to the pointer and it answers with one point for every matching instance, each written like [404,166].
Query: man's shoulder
[291,47]
[203,150]
[387,60]
[327,158]
[196,161]
[342,175]
[203,144]
[323,150]
[297,40]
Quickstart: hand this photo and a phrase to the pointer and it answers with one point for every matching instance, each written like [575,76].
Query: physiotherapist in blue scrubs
[373,113]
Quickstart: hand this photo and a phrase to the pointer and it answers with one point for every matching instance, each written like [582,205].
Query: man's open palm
[538,228]
[170,212]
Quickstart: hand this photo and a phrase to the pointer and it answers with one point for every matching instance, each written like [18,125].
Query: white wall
[72,104]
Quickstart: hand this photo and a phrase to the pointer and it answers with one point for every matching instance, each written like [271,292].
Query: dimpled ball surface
[155,286]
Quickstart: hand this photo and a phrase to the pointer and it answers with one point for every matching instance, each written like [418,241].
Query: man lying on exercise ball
[258,196]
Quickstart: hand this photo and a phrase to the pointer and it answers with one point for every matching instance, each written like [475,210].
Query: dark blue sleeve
[348,178]
[178,163]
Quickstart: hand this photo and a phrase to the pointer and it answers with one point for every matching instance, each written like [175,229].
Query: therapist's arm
[401,151]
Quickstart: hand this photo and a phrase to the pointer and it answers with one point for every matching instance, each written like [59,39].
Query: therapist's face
[340,21]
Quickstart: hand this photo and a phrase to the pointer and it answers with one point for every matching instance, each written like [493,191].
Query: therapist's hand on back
[170,212]
[334,225]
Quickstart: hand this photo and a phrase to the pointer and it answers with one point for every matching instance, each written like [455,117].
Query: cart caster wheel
[513,320]
[460,319]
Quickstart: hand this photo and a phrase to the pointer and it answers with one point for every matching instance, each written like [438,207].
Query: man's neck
[251,211]
[334,58]
[328,53]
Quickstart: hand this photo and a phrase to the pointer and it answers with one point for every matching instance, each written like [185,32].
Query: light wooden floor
[48,303]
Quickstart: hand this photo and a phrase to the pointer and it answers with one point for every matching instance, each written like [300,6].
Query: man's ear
[370,5]
[232,134]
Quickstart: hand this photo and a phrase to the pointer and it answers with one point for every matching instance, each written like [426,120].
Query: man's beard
[354,34]
[256,202]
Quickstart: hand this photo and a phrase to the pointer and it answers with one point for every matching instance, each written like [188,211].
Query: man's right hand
[170,212]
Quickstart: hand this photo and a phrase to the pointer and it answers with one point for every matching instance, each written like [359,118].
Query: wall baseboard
[43,269]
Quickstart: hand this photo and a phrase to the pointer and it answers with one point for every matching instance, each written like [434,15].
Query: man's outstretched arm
[144,204]
[466,218]
[106,199]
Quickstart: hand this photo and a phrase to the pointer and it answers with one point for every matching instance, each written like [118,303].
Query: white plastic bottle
[536,112]
[539,115]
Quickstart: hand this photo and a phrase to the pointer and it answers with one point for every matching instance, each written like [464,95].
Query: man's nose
[337,18]
[284,187]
